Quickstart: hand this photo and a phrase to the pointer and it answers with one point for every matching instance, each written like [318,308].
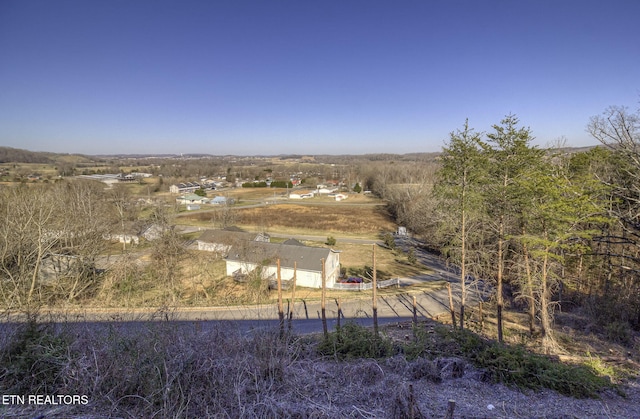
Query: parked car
[351,280]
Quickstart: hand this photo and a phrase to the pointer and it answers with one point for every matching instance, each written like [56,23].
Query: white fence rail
[365,285]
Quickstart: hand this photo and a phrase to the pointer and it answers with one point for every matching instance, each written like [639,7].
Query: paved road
[307,314]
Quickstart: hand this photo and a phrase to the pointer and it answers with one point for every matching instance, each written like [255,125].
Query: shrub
[354,341]
[389,241]
[513,365]
[619,332]
[331,241]
[411,256]
[33,359]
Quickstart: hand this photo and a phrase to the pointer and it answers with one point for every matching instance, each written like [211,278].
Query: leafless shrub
[451,367]
[404,404]
[422,368]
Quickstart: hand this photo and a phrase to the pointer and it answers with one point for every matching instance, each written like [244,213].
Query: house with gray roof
[220,241]
[305,262]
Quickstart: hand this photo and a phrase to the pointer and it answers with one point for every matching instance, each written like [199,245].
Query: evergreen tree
[457,188]
[557,215]
[511,156]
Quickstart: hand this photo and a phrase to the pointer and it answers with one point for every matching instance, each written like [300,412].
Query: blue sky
[307,77]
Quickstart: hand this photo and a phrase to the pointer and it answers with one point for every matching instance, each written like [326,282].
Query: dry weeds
[161,370]
[317,219]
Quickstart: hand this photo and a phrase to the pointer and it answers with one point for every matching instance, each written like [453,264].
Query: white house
[304,261]
[301,194]
[187,187]
[219,200]
[192,199]
[326,190]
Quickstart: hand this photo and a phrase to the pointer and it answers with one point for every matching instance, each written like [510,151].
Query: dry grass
[203,280]
[195,370]
[316,219]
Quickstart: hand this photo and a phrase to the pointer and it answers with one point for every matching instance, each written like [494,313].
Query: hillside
[16,155]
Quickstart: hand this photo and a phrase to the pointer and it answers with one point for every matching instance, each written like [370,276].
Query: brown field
[318,219]
[329,219]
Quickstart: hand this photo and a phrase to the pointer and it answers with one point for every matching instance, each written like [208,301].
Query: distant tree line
[14,155]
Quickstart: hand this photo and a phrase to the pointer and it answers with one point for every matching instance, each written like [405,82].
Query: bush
[411,256]
[389,241]
[514,365]
[331,241]
[619,332]
[33,359]
[354,341]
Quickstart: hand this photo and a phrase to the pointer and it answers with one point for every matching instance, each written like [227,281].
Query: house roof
[193,197]
[306,257]
[225,236]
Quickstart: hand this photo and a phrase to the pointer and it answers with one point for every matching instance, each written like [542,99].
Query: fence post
[453,312]
[375,294]
[322,303]
[293,293]
[450,408]
[280,309]
[415,313]
[339,312]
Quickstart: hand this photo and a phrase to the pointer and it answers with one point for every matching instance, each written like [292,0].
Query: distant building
[109,179]
[219,200]
[183,188]
[220,241]
[192,199]
[301,194]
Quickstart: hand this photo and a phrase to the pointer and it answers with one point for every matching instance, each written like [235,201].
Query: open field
[308,218]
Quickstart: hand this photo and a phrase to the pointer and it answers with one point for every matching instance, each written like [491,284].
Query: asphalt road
[306,314]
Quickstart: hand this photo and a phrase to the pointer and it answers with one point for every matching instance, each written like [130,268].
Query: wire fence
[362,286]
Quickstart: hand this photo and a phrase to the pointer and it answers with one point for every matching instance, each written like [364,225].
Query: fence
[362,286]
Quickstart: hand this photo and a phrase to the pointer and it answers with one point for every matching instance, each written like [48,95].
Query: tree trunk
[463,267]
[545,316]
[500,302]
[529,289]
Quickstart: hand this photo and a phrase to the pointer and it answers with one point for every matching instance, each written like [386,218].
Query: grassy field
[312,218]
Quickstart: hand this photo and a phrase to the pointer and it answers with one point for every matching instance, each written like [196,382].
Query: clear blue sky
[304,76]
